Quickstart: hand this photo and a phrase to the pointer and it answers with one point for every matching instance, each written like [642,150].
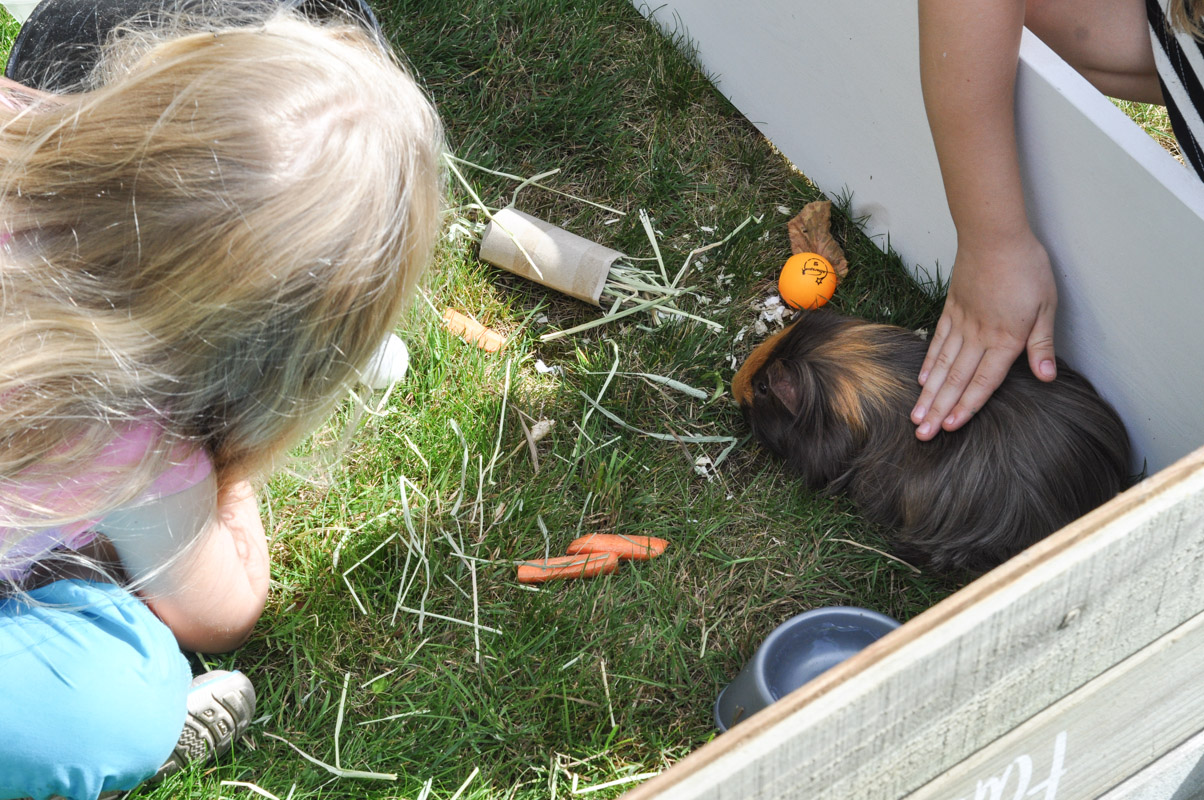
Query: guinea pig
[831,395]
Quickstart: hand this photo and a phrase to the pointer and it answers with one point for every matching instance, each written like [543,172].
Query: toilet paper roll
[562,261]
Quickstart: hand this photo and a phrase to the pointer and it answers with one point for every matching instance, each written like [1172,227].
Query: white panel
[1124,223]
[835,86]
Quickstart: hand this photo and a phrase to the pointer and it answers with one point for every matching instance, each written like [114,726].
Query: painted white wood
[1096,737]
[1124,224]
[835,86]
[977,665]
[1178,775]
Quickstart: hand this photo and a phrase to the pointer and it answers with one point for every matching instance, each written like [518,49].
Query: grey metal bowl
[794,653]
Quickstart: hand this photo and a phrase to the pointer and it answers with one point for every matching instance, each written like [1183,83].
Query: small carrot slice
[639,548]
[561,568]
[472,331]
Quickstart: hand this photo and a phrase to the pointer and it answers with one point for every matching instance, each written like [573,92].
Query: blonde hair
[212,238]
[1187,16]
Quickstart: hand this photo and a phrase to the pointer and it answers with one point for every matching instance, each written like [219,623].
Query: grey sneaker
[220,707]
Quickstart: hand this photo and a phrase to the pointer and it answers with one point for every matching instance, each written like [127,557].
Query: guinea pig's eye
[762,387]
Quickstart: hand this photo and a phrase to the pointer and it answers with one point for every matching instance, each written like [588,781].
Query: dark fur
[832,394]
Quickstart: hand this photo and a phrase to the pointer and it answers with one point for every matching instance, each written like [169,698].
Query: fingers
[942,353]
[935,347]
[959,377]
[991,369]
[959,382]
[942,358]
[1040,347]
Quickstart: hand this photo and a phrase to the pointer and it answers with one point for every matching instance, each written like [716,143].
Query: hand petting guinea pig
[831,394]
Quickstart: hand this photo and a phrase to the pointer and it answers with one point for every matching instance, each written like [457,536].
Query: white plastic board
[835,86]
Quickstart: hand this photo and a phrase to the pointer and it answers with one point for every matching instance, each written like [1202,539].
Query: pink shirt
[125,452]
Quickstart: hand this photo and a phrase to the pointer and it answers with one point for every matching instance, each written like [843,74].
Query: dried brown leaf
[811,232]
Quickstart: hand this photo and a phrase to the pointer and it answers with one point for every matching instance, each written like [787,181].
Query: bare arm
[1002,298]
[16,96]
[199,560]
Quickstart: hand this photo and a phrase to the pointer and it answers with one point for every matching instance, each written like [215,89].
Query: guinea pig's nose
[742,382]
[742,387]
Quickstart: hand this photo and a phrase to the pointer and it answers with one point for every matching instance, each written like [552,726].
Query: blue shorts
[93,691]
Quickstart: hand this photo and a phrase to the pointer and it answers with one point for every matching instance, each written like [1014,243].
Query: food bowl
[795,652]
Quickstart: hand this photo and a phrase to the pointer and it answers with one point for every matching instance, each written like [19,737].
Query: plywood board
[1096,737]
[836,87]
[1178,775]
[977,665]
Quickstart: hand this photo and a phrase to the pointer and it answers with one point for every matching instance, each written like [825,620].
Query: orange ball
[807,281]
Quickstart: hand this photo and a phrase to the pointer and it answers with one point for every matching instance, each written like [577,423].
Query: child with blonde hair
[1002,296]
[200,250]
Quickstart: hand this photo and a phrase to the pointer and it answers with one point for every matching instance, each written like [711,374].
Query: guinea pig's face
[797,350]
[776,389]
[855,369]
[742,384]
[812,392]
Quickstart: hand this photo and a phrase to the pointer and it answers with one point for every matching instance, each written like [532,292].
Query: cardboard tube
[562,261]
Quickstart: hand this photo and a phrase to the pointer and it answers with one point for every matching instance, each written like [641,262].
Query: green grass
[591,680]
[8,32]
[591,89]
[1154,121]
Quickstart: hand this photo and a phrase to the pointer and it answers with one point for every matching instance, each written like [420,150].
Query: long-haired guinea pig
[831,395]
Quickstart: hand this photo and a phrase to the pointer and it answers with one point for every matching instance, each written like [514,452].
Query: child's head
[217,236]
[1187,15]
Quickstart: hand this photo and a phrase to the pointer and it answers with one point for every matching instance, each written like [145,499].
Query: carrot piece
[472,331]
[586,565]
[640,548]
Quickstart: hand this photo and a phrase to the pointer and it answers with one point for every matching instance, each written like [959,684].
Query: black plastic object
[59,44]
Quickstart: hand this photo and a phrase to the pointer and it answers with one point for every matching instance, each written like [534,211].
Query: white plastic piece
[388,365]
[19,9]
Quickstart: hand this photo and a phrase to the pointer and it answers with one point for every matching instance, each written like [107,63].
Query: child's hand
[1002,296]
[238,515]
[208,585]
[1000,303]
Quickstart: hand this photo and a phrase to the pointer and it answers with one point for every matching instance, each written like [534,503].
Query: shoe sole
[220,707]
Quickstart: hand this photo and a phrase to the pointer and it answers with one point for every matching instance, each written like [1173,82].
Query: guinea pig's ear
[785,386]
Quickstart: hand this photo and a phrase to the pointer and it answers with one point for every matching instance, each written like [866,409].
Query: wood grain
[1099,735]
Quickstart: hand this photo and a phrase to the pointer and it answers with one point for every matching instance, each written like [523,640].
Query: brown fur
[831,395]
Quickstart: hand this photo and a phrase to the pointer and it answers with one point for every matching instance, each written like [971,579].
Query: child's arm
[208,585]
[1002,298]
[15,96]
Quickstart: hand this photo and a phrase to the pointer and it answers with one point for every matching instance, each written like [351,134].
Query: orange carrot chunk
[561,568]
[472,331]
[639,548]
